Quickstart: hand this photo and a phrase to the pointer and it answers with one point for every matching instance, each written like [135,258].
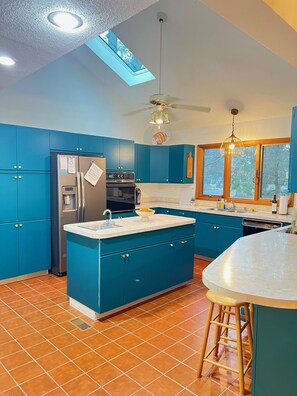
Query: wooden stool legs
[222,322]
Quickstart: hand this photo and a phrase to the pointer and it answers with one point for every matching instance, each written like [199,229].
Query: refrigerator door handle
[83,205]
[79,219]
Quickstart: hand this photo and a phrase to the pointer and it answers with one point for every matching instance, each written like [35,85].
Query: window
[253,178]
[119,58]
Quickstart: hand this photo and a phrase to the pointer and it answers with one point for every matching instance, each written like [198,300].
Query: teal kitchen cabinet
[293,153]
[121,215]
[9,256]
[33,149]
[142,163]
[76,143]
[8,197]
[215,233]
[64,141]
[33,196]
[119,154]
[122,270]
[24,196]
[33,253]
[8,154]
[274,361]
[159,164]
[24,148]
[181,163]
[89,144]
[34,246]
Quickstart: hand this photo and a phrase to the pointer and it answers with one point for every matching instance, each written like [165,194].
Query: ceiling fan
[163,104]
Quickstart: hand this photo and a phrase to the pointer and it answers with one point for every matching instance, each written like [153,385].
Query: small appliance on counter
[137,196]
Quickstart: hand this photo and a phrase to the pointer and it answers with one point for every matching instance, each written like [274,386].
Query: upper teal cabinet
[74,142]
[24,148]
[142,163]
[8,147]
[293,153]
[159,164]
[119,154]
[33,149]
[181,163]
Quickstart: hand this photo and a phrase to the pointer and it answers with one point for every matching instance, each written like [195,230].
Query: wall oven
[120,191]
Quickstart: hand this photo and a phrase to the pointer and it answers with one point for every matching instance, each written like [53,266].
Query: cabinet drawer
[113,245]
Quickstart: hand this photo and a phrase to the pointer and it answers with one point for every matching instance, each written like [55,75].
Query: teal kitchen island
[262,269]
[112,268]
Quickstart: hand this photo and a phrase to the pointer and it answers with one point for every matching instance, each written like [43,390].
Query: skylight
[119,58]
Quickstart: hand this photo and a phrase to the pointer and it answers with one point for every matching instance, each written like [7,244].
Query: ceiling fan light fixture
[160,136]
[232,145]
[159,117]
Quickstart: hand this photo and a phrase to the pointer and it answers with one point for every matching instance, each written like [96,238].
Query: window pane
[275,169]
[243,173]
[213,172]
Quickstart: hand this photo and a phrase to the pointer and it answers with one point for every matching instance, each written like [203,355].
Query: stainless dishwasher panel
[253,226]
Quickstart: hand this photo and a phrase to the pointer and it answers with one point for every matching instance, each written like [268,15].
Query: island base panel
[95,315]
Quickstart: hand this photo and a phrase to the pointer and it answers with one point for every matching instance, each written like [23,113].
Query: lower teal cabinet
[212,239]
[33,253]
[34,246]
[123,214]
[9,256]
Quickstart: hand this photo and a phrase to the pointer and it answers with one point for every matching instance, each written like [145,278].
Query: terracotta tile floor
[151,349]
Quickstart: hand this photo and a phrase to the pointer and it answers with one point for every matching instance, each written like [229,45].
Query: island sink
[97,227]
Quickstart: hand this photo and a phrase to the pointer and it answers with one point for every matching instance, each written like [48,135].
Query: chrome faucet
[108,211]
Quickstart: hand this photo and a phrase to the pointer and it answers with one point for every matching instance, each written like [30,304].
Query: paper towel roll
[283,204]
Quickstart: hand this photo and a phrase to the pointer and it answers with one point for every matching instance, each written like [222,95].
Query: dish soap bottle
[274,205]
[222,203]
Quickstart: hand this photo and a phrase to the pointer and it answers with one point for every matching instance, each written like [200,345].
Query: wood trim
[227,172]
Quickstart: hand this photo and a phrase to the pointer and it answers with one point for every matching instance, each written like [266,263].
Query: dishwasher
[252,226]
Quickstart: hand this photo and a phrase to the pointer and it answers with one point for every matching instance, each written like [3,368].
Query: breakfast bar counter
[111,266]
[262,269]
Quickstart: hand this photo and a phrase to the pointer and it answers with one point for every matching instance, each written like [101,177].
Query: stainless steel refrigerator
[78,194]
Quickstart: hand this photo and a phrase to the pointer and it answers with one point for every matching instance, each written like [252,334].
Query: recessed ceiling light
[65,20]
[6,61]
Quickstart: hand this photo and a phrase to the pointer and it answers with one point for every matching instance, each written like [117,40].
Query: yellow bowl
[144,215]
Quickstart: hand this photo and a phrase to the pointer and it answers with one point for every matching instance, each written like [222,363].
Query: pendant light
[160,116]
[232,145]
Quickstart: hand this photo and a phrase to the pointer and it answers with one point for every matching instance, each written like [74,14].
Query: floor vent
[80,324]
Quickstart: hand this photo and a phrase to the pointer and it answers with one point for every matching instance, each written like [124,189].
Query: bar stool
[227,307]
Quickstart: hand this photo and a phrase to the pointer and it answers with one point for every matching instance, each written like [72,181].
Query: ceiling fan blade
[137,111]
[170,99]
[171,115]
[191,107]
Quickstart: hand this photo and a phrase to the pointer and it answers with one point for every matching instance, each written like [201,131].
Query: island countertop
[260,269]
[127,226]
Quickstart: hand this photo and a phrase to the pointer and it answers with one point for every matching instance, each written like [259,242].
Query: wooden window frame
[227,172]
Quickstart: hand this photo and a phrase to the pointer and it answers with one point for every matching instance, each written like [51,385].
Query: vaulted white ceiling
[212,56]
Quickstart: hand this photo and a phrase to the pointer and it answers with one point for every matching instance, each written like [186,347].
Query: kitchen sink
[97,227]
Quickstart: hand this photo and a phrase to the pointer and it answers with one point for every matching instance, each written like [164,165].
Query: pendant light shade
[232,145]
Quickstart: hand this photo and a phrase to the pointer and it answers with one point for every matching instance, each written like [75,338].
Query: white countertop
[127,226]
[260,269]
[212,210]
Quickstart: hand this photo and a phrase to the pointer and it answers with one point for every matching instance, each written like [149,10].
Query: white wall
[66,96]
